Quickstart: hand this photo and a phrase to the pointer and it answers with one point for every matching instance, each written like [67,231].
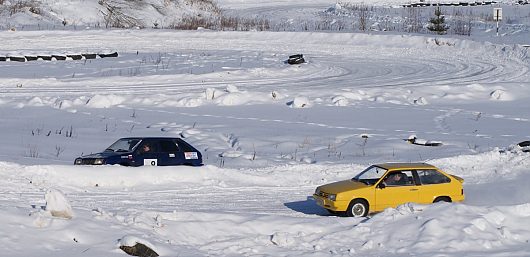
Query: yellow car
[381,186]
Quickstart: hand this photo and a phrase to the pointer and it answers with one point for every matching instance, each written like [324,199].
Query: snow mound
[500,95]
[57,204]
[299,102]
[105,101]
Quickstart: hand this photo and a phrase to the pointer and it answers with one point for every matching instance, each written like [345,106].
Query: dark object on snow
[75,56]
[31,58]
[17,58]
[89,56]
[139,250]
[296,59]
[115,54]
[3,58]
[148,151]
[525,146]
[416,141]
[59,57]
[45,57]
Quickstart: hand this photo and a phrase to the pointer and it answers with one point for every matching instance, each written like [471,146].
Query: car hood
[342,186]
[104,154]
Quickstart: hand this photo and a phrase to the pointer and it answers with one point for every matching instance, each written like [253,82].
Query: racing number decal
[191,155]
[150,162]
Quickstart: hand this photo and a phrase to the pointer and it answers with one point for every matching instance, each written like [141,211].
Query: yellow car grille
[323,194]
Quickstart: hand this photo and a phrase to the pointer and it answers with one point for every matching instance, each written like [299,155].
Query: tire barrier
[424,4]
[57,57]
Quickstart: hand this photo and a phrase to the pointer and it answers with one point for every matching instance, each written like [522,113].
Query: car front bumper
[330,205]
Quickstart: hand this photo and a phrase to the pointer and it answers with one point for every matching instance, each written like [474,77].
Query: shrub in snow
[275,95]
[421,101]
[339,101]
[299,102]
[57,204]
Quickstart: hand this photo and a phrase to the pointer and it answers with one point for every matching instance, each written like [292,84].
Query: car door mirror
[381,185]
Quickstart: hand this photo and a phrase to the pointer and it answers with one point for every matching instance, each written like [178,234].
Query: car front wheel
[357,208]
[442,199]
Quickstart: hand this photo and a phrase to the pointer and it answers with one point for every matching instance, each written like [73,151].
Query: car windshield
[370,175]
[123,145]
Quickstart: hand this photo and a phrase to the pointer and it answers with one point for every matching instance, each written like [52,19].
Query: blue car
[150,151]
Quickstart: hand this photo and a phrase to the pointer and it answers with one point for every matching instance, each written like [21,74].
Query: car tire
[357,208]
[442,199]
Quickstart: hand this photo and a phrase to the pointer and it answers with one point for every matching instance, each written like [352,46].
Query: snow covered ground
[269,133]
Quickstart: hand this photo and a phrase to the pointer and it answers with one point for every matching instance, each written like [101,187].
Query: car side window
[148,147]
[183,146]
[430,177]
[399,178]
[168,146]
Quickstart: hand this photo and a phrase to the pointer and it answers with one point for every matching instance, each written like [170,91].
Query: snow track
[360,66]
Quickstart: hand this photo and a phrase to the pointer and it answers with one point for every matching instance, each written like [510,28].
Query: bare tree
[363,17]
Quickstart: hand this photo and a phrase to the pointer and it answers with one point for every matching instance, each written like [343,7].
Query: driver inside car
[396,179]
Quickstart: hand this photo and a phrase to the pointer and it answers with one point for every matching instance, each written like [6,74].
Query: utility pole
[497,16]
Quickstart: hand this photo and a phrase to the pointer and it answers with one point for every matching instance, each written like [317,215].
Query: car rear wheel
[357,208]
[442,199]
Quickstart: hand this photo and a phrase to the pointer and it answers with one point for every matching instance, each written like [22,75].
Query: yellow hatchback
[381,186]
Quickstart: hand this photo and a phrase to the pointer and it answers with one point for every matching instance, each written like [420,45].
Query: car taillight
[462,191]
[129,157]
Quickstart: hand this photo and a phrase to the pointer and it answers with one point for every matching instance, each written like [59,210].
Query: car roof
[156,138]
[405,165]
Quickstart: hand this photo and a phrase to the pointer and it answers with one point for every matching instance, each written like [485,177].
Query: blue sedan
[140,151]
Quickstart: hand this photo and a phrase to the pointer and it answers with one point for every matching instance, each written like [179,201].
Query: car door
[147,157]
[433,184]
[170,153]
[393,195]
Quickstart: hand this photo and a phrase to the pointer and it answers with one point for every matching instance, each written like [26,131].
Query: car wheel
[442,199]
[357,208]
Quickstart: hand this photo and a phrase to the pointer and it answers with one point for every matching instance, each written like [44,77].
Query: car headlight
[99,161]
[78,161]
[332,197]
